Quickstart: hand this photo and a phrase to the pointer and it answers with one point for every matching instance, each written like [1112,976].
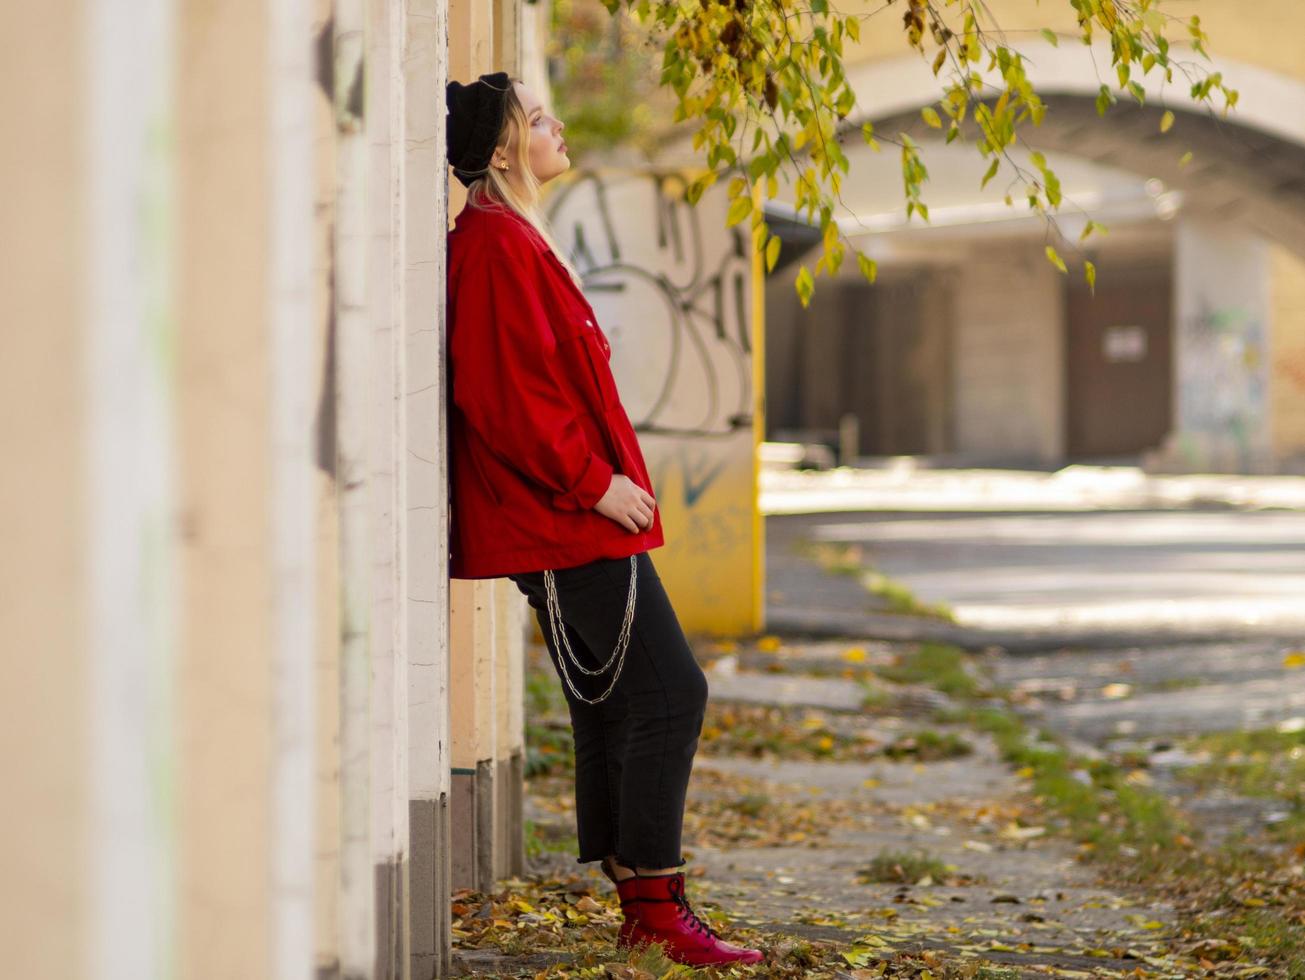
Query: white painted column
[293,516]
[426,599]
[387,470]
[353,380]
[128,52]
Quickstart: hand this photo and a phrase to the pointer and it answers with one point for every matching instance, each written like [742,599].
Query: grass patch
[939,665]
[550,748]
[927,745]
[901,866]
[901,601]
[849,560]
[544,839]
[1237,895]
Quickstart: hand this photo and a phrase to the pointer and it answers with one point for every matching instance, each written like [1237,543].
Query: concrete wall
[673,290]
[1009,376]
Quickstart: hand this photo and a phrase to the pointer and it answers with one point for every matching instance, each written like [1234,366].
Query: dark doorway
[1119,361]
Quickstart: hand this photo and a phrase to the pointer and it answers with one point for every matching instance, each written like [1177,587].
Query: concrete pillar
[387,464]
[1009,356]
[353,408]
[1221,356]
[295,357]
[426,595]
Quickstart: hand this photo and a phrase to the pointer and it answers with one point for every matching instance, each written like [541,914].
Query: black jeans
[634,751]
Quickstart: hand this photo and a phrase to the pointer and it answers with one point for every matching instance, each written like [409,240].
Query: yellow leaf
[870,783]
[1167,121]
[1294,659]
[1055,258]
[1024,773]
[854,655]
[930,116]
[769,644]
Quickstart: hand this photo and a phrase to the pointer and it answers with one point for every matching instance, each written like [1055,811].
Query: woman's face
[547,149]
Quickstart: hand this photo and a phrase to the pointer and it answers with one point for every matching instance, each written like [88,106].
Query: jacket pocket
[597,353]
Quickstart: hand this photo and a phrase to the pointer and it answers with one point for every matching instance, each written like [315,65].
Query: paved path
[1035,582]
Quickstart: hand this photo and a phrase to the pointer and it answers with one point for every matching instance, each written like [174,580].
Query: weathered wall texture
[672,287]
[1009,356]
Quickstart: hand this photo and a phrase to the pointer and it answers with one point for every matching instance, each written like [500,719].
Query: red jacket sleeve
[502,358]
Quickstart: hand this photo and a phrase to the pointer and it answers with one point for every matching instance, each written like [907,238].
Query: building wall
[672,287]
[45,833]
[224,704]
[1009,397]
[1232,34]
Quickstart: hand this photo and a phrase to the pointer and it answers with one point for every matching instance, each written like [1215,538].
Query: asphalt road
[1093,569]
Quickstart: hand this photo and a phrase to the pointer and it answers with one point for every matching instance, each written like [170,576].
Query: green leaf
[1050,35]
[772,253]
[805,286]
[1185,159]
[739,210]
[1055,259]
[869,267]
[1090,274]
[992,172]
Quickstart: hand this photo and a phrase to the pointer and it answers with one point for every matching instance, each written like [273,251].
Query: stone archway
[1247,168]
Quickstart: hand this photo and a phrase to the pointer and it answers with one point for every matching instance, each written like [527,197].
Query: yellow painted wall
[1287,369]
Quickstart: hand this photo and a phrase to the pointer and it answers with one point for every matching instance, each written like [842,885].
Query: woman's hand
[627,504]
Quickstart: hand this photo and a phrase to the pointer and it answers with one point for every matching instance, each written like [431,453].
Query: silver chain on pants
[562,643]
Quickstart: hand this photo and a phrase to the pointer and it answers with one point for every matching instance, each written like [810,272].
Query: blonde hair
[493,188]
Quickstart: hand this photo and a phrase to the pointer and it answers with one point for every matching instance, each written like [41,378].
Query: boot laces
[686,911]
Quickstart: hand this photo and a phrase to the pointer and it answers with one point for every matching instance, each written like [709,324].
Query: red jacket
[536,427]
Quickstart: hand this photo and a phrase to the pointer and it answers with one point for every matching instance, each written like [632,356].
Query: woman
[550,489]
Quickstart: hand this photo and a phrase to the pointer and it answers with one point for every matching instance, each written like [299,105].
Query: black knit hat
[475,120]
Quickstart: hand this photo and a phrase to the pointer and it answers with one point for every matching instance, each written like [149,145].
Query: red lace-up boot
[628,892]
[664,916]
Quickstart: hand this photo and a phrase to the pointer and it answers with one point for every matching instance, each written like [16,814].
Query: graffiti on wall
[671,292]
[1224,404]
[672,289]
